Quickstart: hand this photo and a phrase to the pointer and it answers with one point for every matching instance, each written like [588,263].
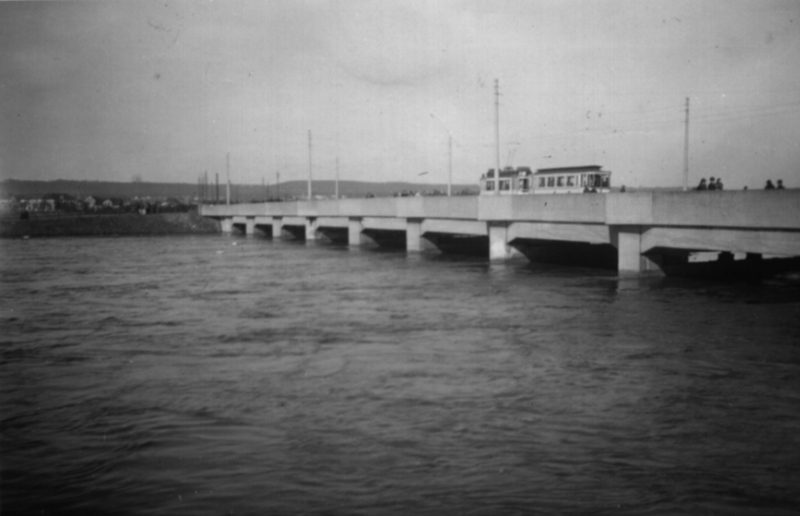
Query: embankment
[110,225]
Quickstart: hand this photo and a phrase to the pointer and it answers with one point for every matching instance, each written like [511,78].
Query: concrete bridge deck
[639,231]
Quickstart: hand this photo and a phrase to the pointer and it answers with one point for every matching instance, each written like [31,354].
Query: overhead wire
[676,119]
[601,123]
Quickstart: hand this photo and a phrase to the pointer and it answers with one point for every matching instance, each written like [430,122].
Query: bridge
[636,232]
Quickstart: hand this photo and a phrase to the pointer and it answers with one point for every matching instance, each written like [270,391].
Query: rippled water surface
[224,375]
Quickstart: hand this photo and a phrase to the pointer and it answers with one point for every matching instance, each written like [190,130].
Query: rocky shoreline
[110,225]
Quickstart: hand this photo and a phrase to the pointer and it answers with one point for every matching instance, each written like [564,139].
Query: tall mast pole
[309,165]
[497,134]
[228,168]
[278,184]
[686,150]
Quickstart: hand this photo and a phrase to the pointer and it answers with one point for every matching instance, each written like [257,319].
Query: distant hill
[22,188]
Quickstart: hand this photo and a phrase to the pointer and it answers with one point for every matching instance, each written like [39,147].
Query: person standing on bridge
[702,185]
[712,185]
[769,185]
[719,183]
[780,185]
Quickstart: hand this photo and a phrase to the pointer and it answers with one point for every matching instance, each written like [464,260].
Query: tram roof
[568,170]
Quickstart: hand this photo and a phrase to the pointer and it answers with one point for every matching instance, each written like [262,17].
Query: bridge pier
[354,228]
[277,227]
[628,241]
[355,234]
[226,225]
[257,226]
[415,242]
[311,229]
[250,226]
[499,237]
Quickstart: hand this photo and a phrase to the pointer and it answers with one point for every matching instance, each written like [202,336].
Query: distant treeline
[22,188]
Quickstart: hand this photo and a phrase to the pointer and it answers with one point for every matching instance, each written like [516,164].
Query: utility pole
[228,168]
[217,193]
[450,153]
[686,150]
[450,167]
[310,167]
[336,193]
[278,184]
[205,187]
[497,134]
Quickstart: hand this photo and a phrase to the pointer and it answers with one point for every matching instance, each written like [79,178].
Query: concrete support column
[498,242]
[629,246]
[311,229]
[250,227]
[355,234]
[415,242]
[226,225]
[354,228]
[277,227]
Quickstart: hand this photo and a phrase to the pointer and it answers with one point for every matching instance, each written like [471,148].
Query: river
[230,375]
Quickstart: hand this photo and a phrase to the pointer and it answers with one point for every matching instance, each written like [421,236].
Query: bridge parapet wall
[776,209]
[326,208]
[376,207]
[726,209]
[270,209]
[465,207]
[754,210]
[573,208]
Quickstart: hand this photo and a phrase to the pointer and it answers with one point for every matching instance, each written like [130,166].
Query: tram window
[570,180]
[489,186]
[523,184]
[606,181]
[560,181]
[541,182]
[505,185]
[551,181]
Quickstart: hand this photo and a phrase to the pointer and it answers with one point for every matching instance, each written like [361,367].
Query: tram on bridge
[523,181]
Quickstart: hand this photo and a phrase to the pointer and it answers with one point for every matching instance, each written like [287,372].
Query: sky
[376,90]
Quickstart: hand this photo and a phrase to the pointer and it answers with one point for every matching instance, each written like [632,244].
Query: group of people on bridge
[711,185]
[770,186]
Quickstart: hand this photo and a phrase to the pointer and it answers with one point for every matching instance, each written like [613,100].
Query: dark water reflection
[216,375]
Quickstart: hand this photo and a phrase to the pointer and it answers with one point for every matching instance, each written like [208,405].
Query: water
[223,375]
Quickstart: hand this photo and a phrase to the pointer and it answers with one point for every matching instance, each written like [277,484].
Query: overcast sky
[163,90]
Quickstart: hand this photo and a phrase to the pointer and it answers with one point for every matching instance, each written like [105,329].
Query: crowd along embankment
[128,224]
[635,232]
